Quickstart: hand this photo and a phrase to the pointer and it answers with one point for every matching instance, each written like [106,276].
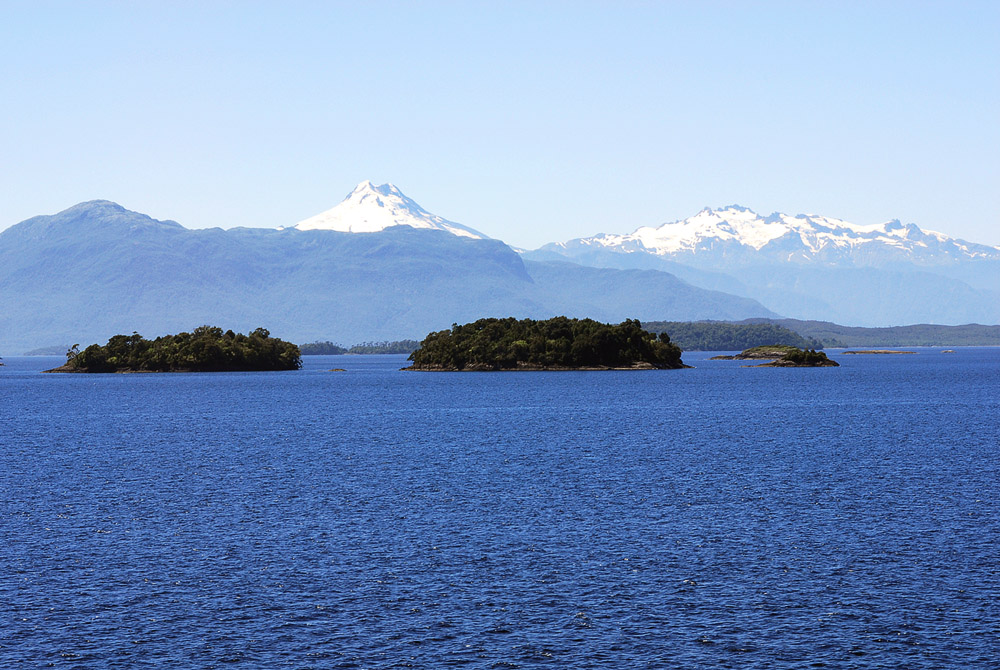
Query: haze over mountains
[812,267]
[743,236]
[98,269]
[379,266]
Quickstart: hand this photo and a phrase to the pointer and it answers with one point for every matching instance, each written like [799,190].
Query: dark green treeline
[206,349]
[721,336]
[504,344]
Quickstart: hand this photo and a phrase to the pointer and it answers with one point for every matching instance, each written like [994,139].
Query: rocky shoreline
[758,353]
[792,364]
[782,356]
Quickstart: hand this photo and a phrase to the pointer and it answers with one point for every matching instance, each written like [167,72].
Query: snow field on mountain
[370,209]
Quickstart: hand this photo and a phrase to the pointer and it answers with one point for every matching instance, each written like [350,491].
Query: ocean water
[717,517]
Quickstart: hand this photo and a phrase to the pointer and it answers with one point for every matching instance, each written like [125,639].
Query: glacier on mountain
[809,266]
[370,209]
[739,233]
[120,271]
[410,272]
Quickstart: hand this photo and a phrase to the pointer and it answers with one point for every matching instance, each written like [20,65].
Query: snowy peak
[738,232]
[731,223]
[370,208]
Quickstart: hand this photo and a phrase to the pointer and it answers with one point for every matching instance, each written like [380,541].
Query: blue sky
[532,122]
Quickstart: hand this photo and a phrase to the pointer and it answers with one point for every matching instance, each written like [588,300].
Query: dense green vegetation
[805,358]
[724,336]
[207,349]
[782,355]
[510,344]
[384,347]
[740,335]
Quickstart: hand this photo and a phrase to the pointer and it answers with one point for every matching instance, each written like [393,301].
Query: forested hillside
[919,335]
[723,336]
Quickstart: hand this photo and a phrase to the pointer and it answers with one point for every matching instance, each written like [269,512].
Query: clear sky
[531,121]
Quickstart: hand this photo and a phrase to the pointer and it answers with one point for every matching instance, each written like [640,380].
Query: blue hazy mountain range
[378,266]
[98,269]
[811,267]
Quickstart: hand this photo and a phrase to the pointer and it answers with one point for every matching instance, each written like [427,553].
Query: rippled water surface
[714,517]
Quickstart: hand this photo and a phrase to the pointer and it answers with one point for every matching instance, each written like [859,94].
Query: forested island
[768,352]
[724,336]
[560,343]
[782,356]
[384,347]
[802,358]
[206,349]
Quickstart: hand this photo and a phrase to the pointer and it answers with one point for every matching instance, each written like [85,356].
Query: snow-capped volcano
[736,231]
[370,208]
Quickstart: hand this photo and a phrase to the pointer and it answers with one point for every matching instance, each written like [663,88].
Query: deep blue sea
[716,517]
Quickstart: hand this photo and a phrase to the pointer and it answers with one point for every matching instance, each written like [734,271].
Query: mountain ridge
[100,264]
[819,238]
[97,270]
[810,266]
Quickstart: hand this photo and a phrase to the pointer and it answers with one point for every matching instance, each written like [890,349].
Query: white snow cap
[370,208]
[749,229]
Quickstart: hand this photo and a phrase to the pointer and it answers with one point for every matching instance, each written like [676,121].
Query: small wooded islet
[205,349]
[554,344]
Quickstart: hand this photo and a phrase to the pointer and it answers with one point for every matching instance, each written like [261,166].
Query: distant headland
[328,348]
[723,336]
[206,349]
[559,343]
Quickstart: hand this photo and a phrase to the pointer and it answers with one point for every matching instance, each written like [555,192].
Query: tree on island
[782,356]
[558,343]
[206,349]
[806,358]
